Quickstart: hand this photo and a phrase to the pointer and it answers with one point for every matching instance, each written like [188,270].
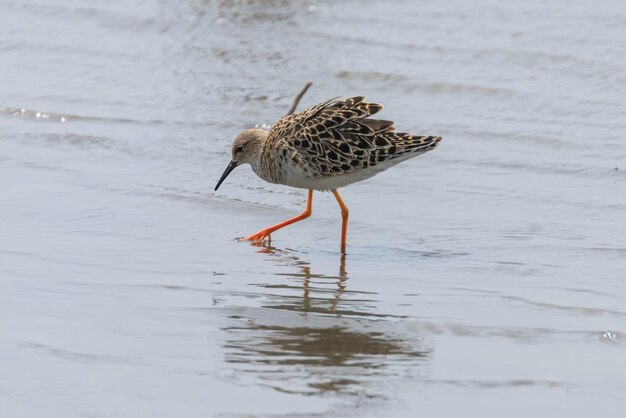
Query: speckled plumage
[324,147]
[333,144]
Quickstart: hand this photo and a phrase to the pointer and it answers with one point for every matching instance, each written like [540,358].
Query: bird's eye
[239,149]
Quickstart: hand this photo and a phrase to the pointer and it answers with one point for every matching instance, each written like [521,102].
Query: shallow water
[484,278]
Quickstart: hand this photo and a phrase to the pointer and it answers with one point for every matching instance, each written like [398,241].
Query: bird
[323,148]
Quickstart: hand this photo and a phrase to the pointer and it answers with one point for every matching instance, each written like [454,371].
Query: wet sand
[485,278]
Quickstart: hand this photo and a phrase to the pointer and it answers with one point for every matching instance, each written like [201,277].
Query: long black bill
[231,167]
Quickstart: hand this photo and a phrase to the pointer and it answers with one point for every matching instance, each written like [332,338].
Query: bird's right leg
[265,233]
[344,220]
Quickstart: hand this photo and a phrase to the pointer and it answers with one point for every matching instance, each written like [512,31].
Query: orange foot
[262,235]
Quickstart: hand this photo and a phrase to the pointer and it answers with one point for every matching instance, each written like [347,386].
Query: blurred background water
[484,278]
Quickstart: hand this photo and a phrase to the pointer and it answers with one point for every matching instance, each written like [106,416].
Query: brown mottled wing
[336,137]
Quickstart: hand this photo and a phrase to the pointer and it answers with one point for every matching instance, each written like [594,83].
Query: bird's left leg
[265,233]
[344,220]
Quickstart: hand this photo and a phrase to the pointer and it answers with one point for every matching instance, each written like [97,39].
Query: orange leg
[265,233]
[344,219]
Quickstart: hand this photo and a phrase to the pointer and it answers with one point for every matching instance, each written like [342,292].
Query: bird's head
[246,149]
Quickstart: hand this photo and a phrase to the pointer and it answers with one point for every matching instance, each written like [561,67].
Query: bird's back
[334,143]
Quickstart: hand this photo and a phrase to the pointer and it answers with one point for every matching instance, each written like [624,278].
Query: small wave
[55,117]
[371,75]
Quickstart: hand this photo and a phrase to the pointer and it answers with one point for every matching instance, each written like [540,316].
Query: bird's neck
[259,146]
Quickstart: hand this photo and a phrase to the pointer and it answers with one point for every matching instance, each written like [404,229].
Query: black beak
[231,167]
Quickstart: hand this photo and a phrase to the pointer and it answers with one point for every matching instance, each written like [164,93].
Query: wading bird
[325,147]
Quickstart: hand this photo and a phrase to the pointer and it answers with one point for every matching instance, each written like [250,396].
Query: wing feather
[336,137]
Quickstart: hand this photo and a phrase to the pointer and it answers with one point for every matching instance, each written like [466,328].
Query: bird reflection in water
[308,303]
[310,339]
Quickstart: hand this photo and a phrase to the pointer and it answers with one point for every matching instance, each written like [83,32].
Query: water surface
[485,277]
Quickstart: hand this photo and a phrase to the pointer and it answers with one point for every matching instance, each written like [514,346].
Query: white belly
[329,182]
[323,183]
